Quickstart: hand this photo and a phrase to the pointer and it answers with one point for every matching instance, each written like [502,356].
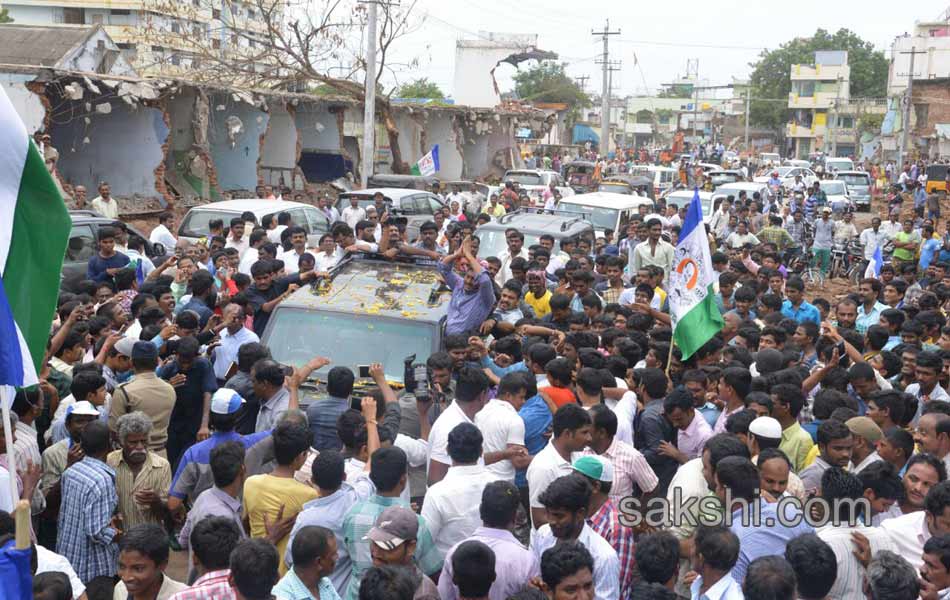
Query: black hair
[570,492]
[569,417]
[657,557]
[722,445]
[465,444]
[225,462]
[654,382]
[838,485]
[248,354]
[340,382]
[604,419]
[310,543]
[560,562]
[739,422]
[212,539]
[739,475]
[678,398]
[831,430]
[387,467]
[738,378]
[815,566]
[471,384]
[499,506]
[149,540]
[387,583]
[85,383]
[769,578]
[718,546]
[938,498]
[95,438]
[328,470]
[254,564]
[290,440]
[791,395]
[881,478]
[473,569]
[52,585]
[901,439]
[939,546]
[268,371]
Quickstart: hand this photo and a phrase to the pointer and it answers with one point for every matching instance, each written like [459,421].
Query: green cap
[595,467]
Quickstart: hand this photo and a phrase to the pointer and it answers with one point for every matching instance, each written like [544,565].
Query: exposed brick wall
[936,95]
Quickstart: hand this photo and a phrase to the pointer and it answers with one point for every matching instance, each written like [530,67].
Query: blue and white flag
[428,164]
[874,267]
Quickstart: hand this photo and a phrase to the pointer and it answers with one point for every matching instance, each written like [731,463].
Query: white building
[475,62]
[932,39]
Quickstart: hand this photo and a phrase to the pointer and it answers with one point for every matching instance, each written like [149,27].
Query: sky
[656,38]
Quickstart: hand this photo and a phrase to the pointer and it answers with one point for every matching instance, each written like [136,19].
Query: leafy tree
[4,16]
[420,88]
[771,83]
[547,82]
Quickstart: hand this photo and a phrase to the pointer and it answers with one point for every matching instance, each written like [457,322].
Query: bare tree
[286,45]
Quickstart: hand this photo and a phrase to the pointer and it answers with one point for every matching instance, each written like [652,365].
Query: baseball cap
[226,402]
[394,526]
[595,467]
[124,346]
[864,427]
[144,350]
[766,427]
[83,407]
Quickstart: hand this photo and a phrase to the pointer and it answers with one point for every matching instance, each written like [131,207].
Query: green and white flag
[34,231]
[428,164]
[693,311]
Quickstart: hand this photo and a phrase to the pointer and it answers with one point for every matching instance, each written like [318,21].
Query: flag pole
[6,401]
[669,359]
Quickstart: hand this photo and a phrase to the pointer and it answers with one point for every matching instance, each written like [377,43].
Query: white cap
[226,401]
[83,407]
[766,427]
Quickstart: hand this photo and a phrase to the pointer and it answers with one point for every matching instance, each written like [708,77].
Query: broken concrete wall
[489,142]
[235,131]
[321,157]
[109,140]
[188,168]
[27,104]
[422,127]
[278,161]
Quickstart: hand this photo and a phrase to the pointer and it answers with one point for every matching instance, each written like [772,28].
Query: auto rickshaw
[579,175]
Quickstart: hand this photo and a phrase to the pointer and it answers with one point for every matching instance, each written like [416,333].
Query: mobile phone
[363,371]
[288,370]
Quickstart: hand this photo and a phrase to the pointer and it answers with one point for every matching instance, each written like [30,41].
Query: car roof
[391,193]
[367,285]
[258,206]
[557,225]
[865,173]
[745,185]
[657,168]
[607,200]
[689,194]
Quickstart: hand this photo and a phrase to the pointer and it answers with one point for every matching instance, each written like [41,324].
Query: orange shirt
[560,396]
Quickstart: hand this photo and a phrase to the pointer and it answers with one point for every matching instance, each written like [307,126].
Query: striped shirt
[155,474]
[850,580]
[86,536]
[632,472]
[606,522]
[213,585]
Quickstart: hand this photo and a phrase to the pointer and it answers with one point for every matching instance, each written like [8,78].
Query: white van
[663,177]
[605,210]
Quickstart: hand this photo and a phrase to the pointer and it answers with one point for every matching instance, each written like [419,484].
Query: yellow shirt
[812,455]
[541,306]
[796,444]
[265,494]
[498,211]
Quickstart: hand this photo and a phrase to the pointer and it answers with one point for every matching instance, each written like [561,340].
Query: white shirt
[726,588]
[451,506]
[439,434]
[626,411]
[908,534]
[606,562]
[227,352]
[417,451]
[690,483]
[504,274]
[850,580]
[292,260]
[161,235]
[241,245]
[107,208]
[48,561]
[274,234]
[247,260]
[324,262]
[351,216]
[545,467]
[868,460]
[500,425]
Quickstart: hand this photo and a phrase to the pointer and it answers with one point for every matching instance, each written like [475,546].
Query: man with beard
[846,313]
[142,477]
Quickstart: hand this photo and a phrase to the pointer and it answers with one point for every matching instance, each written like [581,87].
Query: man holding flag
[873,240]
[693,312]
[34,230]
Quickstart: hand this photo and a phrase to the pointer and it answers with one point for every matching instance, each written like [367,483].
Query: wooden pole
[669,359]
[21,515]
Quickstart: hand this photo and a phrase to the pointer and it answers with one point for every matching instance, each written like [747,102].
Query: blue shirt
[537,420]
[322,416]
[193,474]
[710,413]
[467,310]
[291,588]
[502,371]
[86,536]
[865,320]
[96,268]
[804,312]
[198,306]
[767,537]
[928,250]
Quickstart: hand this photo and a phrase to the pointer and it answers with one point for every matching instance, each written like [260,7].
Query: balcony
[821,100]
[820,72]
[794,130]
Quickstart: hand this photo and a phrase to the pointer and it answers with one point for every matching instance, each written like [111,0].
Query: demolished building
[164,140]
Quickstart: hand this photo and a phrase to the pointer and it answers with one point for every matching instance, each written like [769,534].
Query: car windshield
[642,172]
[840,165]
[728,190]
[364,202]
[351,340]
[859,180]
[196,223]
[684,200]
[525,178]
[782,171]
[614,188]
[834,188]
[602,218]
[493,241]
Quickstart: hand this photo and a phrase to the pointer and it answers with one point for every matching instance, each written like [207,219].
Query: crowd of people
[563,446]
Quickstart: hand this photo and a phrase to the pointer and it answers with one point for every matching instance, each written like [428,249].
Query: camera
[416,377]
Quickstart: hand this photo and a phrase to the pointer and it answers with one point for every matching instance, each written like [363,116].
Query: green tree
[4,16]
[420,88]
[771,83]
[547,82]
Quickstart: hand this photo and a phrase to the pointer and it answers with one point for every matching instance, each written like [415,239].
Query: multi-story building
[159,37]
[818,93]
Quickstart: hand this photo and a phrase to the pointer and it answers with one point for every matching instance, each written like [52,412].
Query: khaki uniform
[155,475]
[151,395]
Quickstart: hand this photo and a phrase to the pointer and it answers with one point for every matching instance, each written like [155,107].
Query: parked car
[533,182]
[838,197]
[770,157]
[409,182]
[684,197]
[723,177]
[859,187]
[83,244]
[561,225]
[796,162]
[417,206]
[195,223]
[838,164]
[663,177]
[628,184]
[372,310]
[605,210]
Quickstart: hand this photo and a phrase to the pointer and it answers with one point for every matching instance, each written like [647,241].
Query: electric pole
[748,98]
[605,98]
[833,126]
[582,81]
[369,101]
[908,101]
